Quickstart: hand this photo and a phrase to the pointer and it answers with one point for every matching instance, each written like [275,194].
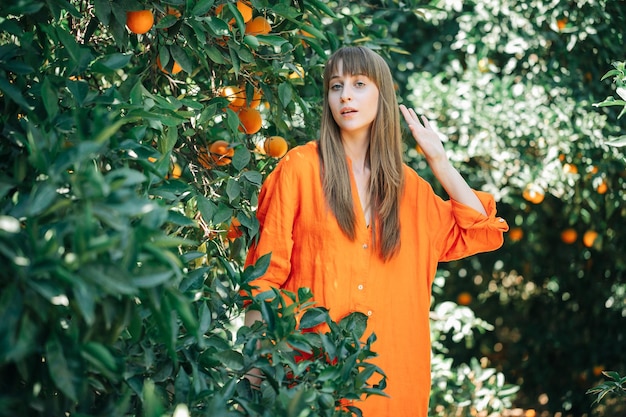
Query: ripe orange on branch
[139,21]
[244,7]
[589,238]
[533,193]
[275,146]
[221,152]
[250,120]
[516,234]
[238,98]
[176,68]
[464,299]
[204,157]
[569,236]
[233,231]
[258,26]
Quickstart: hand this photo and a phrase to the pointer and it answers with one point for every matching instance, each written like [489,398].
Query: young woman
[345,217]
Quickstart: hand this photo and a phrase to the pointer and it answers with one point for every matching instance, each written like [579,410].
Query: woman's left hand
[424,135]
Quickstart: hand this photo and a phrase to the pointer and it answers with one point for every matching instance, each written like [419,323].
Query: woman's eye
[335,87]
[360,84]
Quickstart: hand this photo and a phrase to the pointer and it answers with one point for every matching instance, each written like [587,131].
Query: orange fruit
[249,120]
[597,370]
[275,146]
[238,99]
[176,171]
[589,238]
[233,231]
[569,236]
[533,193]
[602,188]
[176,68]
[221,152]
[235,95]
[516,234]
[204,158]
[561,23]
[244,7]
[173,11]
[570,169]
[139,21]
[298,73]
[530,413]
[464,298]
[258,26]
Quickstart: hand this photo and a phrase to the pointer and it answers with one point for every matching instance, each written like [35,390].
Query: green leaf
[152,403]
[610,74]
[109,131]
[43,196]
[223,214]
[257,270]
[79,90]
[285,92]
[238,18]
[313,317]
[241,158]
[272,40]
[617,141]
[59,369]
[181,57]
[202,7]
[355,322]
[111,62]
[183,306]
[217,26]
[153,279]
[50,98]
[214,55]
[316,4]
[253,177]
[14,94]
[234,57]
[231,359]
[232,120]
[206,207]
[233,189]
[102,9]
[101,357]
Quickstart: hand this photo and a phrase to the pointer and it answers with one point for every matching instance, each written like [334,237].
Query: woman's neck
[356,149]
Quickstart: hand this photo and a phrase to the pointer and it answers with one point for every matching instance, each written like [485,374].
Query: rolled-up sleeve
[472,232]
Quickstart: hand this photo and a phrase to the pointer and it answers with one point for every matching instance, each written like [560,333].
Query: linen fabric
[308,249]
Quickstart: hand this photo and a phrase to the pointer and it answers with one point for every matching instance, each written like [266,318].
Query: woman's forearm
[455,185]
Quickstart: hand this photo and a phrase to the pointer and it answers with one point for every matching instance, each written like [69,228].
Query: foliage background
[120,290]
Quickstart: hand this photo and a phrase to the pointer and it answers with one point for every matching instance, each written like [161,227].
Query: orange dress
[309,250]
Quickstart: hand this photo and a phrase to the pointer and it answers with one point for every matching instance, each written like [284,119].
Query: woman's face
[353,101]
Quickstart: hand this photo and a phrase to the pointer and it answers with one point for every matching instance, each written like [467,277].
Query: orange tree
[513,86]
[124,221]
[133,139]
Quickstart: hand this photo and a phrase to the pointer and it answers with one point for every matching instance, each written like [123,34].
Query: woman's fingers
[412,118]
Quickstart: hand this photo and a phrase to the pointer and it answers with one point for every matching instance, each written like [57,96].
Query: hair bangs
[354,60]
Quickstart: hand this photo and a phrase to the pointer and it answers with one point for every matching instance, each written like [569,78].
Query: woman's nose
[345,96]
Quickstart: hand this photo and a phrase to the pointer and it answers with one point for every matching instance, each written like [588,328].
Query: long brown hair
[384,154]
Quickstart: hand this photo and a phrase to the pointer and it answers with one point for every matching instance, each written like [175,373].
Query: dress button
[360,286]
[369,312]
[365,246]
[501,220]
